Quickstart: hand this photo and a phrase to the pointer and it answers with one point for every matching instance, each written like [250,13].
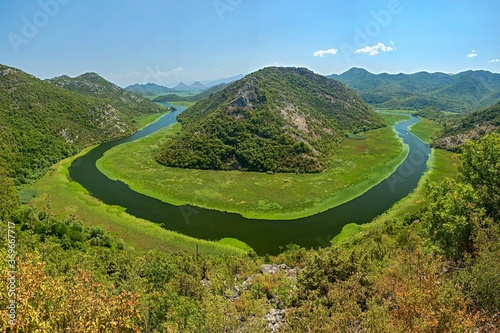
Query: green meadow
[425,129]
[359,164]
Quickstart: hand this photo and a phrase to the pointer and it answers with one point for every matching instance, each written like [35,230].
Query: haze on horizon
[167,42]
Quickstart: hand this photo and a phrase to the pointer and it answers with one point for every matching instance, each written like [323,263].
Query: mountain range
[462,92]
[274,120]
[153,89]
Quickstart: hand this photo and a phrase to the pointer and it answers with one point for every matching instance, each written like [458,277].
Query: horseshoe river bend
[262,235]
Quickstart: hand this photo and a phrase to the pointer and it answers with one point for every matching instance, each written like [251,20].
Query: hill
[275,119]
[195,98]
[41,123]
[463,92]
[148,89]
[91,84]
[469,127]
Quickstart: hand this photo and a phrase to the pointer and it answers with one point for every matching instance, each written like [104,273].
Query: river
[263,236]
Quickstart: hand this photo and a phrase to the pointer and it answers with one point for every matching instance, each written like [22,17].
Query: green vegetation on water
[68,198]
[441,164]
[145,120]
[357,166]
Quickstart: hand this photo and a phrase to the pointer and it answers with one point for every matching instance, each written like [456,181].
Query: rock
[275,319]
[206,283]
[273,268]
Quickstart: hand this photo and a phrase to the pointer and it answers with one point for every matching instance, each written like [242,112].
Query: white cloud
[376,49]
[321,53]
[494,60]
[472,54]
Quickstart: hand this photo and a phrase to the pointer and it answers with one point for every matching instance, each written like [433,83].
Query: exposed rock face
[452,142]
[245,97]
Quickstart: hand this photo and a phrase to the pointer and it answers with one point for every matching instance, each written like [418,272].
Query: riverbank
[358,165]
[68,198]
[441,164]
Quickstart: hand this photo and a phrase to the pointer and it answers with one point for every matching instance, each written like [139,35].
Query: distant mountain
[91,84]
[469,127]
[42,123]
[224,80]
[148,89]
[276,119]
[181,87]
[195,98]
[463,92]
[197,86]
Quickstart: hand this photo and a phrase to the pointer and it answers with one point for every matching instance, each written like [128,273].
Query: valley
[249,166]
[247,206]
[366,192]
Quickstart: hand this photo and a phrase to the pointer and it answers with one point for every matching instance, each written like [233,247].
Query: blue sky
[166,42]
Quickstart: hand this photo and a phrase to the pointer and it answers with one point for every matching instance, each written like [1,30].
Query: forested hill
[91,84]
[149,89]
[275,119]
[41,124]
[469,127]
[462,92]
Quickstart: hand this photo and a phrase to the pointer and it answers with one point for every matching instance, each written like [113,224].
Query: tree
[480,167]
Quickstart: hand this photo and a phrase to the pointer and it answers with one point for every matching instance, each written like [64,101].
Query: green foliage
[432,113]
[276,119]
[67,232]
[458,208]
[463,220]
[450,217]
[480,167]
